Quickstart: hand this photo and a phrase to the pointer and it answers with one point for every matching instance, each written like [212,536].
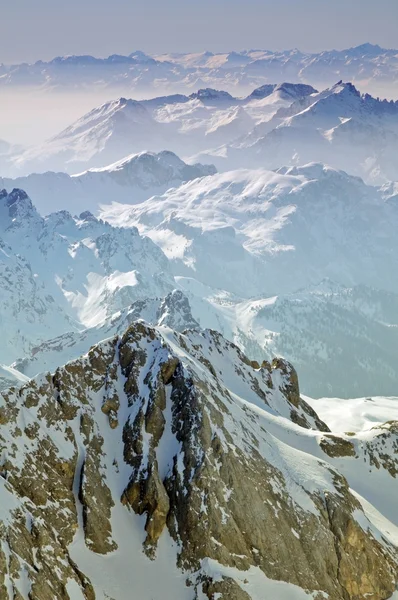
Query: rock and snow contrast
[199,331]
[123,471]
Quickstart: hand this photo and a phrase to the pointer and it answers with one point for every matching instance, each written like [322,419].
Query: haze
[50,28]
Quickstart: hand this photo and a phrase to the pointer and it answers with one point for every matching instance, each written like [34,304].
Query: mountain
[319,329]
[109,132]
[251,250]
[366,64]
[128,475]
[133,179]
[338,126]
[295,263]
[172,311]
[116,129]
[284,91]
[212,96]
[10,377]
[267,232]
[61,273]
[29,312]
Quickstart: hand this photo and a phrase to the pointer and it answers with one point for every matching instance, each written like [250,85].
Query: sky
[42,29]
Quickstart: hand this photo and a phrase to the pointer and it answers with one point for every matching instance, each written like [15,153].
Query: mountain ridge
[207,414]
[270,238]
[131,179]
[339,126]
[248,67]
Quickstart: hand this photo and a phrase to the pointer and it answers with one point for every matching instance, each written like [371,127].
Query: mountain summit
[128,475]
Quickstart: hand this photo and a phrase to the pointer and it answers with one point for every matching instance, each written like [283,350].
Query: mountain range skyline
[164,53]
[180,26]
[199,312]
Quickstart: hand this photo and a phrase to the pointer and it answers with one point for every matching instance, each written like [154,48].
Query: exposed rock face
[181,437]
[175,312]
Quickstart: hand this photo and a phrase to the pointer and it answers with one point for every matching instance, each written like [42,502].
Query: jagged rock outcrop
[159,444]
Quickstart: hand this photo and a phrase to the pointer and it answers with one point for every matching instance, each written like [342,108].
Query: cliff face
[171,456]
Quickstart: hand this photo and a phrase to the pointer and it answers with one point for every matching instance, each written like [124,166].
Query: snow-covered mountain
[131,180]
[339,126]
[249,251]
[157,316]
[366,64]
[318,329]
[63,273]
[10,377]
[183,124]
[110,132]
[28,310]
[172,465]
[172,311]
[276,125]
[268,232]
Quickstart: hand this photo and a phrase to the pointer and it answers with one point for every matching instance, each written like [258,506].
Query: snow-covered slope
[183,124]
[172,465]
[339,126]
[29,312]
[250,251]
[269,233]
[355,414]
[172,311]
[110,132]
[10,377]
[342,341]
[265,101]
[131,180]
[61,272]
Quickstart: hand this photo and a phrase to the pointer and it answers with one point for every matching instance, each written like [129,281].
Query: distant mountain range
[138,71]
[183,124]
[175,273]
[338,126]
[130,180]
[276,125]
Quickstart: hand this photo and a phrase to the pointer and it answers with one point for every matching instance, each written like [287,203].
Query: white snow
[355,414]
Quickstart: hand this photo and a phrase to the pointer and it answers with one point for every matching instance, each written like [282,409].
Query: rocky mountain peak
[175,312]
[19,210]
[17,201]
[87,216]
[142,446]
[210,94]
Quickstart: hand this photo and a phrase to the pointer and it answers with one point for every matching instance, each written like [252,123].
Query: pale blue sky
[46,28]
